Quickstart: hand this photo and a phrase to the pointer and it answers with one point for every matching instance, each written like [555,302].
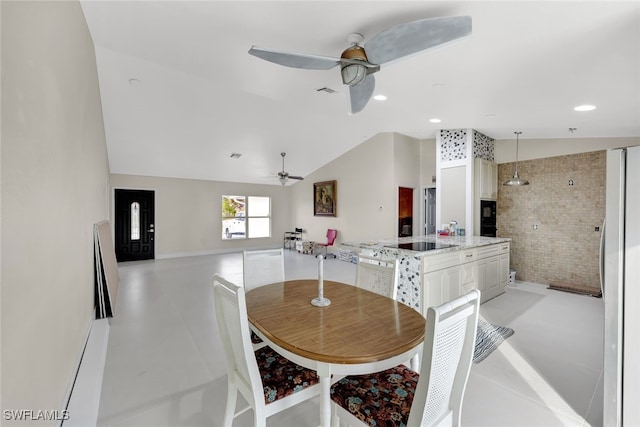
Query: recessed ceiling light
[380,97]
[585,107]
[434,120]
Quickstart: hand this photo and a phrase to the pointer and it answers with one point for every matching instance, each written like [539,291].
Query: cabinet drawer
[488,251]
[468,256]
[438,262]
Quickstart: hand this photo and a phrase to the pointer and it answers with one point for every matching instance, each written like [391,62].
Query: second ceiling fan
[283,176]
[359,62]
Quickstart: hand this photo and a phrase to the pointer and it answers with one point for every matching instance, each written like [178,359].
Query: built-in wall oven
[488,218]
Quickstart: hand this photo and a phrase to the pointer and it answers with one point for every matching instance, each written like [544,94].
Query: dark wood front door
[134,225]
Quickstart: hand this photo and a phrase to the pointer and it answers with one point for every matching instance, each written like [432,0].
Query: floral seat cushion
[382,399]
[280,376]
[255,339]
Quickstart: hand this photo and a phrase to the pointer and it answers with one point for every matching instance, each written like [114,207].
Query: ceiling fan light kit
[359,62]
[283,176]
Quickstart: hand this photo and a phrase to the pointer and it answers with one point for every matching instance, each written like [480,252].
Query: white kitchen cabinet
[449,275]
[504,268]
[493,270]
[443,285]
[468,278]
[486,177]
[434,285]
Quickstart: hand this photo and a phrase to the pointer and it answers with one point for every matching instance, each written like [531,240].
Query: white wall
[366,194]
[529,149]
[406,165]
[188,221]
[427,163]
[54,188]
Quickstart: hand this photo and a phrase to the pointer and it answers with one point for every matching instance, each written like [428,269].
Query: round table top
[357,327]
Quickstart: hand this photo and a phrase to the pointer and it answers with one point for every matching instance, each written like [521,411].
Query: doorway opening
[430,211]
[405,211]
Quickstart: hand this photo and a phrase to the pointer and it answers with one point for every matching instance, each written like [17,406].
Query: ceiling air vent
[326,89]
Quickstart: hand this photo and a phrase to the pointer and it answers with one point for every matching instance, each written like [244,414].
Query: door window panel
[135,221]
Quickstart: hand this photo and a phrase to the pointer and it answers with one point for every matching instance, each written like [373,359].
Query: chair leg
[229,411]
[259,417]
[335,420]
[415,363]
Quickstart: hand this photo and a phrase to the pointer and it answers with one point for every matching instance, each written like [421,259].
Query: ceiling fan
[359,62]
[284,176]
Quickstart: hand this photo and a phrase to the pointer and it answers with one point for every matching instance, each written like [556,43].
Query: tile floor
[165,365]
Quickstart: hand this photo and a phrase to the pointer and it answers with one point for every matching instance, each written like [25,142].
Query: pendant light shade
[516,181]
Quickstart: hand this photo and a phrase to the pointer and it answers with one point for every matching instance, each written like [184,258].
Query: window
[246,217]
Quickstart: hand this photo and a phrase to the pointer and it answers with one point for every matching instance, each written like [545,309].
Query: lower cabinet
[441,286]
[504,270]
[485,268]
[488,277]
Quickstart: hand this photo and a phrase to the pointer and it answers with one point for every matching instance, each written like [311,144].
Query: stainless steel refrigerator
[620,262]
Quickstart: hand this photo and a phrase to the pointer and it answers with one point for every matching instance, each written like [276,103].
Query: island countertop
[443,243]
[414,284]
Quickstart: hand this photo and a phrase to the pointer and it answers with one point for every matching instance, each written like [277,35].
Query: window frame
[240,205]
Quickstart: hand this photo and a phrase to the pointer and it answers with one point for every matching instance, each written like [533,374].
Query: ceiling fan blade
[296,177]
[361,93]
[295,60]
[414,37]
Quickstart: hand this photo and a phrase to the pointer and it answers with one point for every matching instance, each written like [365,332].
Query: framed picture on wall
[324,198]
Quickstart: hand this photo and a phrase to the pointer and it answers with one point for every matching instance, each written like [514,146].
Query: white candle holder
[320,301]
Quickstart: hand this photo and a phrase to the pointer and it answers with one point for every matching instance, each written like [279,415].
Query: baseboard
[213,252]
[84,400]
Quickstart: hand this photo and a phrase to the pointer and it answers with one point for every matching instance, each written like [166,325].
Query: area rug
[488,338]
[576,289]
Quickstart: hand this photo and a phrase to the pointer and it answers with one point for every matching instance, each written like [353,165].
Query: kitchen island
[435,269]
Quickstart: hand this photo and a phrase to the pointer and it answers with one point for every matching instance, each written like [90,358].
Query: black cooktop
[421,246]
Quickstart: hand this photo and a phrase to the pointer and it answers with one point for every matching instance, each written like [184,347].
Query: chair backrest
[450,334]
[378,275]
[261,267]
[331,236]
[231,316]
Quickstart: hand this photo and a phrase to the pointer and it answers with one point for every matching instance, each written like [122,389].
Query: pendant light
[516,181]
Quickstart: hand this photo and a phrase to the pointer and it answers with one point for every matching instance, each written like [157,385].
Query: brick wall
[564,247]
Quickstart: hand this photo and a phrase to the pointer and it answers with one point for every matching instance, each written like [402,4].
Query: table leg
[324,372]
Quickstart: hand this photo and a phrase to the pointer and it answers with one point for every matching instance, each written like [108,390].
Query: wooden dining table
[359,332]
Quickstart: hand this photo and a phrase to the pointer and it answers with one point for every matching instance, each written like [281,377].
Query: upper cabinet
[486,179]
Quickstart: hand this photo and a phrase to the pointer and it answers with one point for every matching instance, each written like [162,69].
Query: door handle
[150,231]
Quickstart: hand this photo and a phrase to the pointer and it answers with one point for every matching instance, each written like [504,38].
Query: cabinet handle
[505,247]
[469,255]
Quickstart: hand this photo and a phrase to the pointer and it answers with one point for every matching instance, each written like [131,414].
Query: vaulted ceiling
[180,93]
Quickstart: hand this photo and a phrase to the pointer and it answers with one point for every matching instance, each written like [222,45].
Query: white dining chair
[269,382]
[432,398]
[378,275]
[381,276]
[259,268]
